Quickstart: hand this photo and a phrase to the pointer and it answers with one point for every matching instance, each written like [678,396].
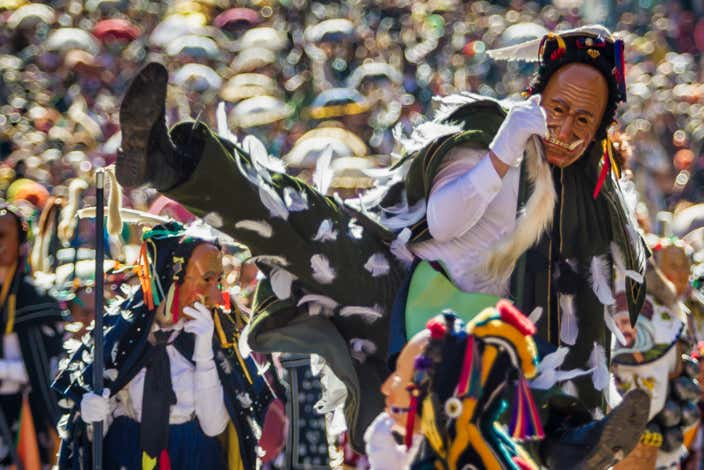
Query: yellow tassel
[11,303]
[610,152]
[148,463]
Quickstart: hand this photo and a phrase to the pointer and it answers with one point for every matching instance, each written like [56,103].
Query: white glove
[95,408]
[523,120]
[202,326]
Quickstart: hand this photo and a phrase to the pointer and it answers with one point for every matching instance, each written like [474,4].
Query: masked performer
[334,273]
[174,377]
[31,348]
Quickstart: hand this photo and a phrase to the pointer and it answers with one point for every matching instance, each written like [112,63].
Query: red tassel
[605,167]
[164,460]
[175,303]
[411,417]
[227,304]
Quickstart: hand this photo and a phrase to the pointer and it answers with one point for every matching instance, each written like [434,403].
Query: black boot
[599,444]
[147,154]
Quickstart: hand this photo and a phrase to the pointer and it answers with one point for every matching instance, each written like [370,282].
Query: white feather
[295,201]
[600,280]
[569,388]
[399,247]
[613,327]
[243,343]
[272,201]
[525,52]
[548,373]
[361,348]
[536,315]
[597,361]
[223,128]
[258,154]
[424,134]
[322,271]
[377,265]
[270,260]
[620,263]
[354,229]
[318,304]
[281,281]
[260,227]
[322,177]
[569,328]
[367,314]
[325,233]
[405,217]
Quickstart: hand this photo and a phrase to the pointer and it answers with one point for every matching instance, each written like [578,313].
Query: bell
[690,366]
[672,439]
[685,389]
[690,413]
[670,415]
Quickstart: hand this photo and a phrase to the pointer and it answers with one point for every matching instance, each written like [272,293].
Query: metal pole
[98,362]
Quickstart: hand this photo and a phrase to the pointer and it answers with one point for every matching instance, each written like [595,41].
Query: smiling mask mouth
[558,143]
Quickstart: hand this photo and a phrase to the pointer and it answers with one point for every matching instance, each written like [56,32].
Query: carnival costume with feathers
[336,272]
[165,253]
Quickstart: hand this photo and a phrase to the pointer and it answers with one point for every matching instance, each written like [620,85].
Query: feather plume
[223,128]
[536,218]
[67,225]
[569,327]
[536,315]
[620,263]
[322,271]
[114,221]
[325,232]
[399,247]
[377,264]
[367,314]
[600,280]
[597,361]
[281,281]
[426,133]
[361,348]
[613,327]
[322,177]
[260,227]
[525,52]
[295,201]
[272,201]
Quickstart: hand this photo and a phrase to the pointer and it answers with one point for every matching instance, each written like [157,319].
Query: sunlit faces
[574,100]
[397,397]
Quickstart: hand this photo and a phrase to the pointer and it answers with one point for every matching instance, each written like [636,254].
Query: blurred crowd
[282,69]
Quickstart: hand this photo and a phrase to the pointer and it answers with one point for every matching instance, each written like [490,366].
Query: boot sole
[142,105]
[621,433]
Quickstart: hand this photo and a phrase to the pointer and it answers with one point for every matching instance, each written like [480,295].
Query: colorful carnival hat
[493,351]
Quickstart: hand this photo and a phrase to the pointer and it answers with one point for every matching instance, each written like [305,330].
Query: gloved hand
[202,326]
[95,408]
[523,120]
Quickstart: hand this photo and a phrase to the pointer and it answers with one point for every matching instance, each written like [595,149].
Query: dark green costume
[258,208]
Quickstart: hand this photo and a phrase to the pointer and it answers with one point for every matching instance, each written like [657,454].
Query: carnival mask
[574,100]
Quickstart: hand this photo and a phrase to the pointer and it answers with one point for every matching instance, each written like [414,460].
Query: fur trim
[536,218]
[67,225]
[114,222]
